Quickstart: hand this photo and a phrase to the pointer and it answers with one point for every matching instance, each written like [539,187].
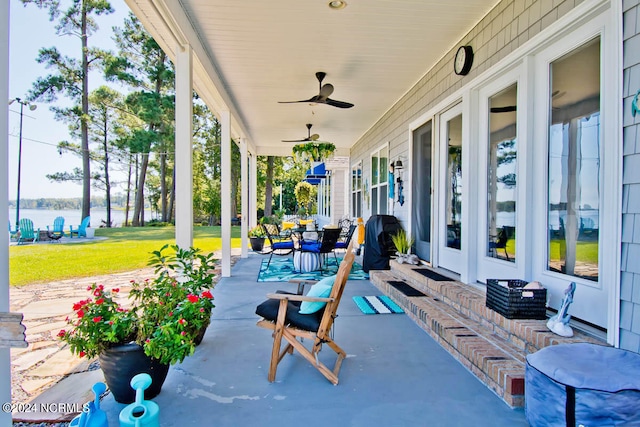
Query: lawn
[124,249]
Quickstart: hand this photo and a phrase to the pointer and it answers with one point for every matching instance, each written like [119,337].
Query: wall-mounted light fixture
[396,169]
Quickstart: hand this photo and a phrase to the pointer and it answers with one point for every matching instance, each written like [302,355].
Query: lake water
[43,217]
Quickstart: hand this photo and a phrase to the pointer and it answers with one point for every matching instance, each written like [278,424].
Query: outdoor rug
[281,270]
[406,289]
[379,304]
[433,275]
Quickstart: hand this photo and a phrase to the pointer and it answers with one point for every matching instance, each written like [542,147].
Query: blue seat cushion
[310,247]
[341,245]
[309,322]
[282,245]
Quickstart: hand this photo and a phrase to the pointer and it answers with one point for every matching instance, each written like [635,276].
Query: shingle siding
[509,25]
[630,297]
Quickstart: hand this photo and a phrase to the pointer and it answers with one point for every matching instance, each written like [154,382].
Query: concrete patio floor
[395,374]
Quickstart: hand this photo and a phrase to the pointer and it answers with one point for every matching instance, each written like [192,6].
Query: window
[324,196]
[573,209]
[454,182]
[501,175]
[379,181]
[356,190]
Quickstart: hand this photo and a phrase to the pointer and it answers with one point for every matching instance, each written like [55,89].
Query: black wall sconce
[396,168]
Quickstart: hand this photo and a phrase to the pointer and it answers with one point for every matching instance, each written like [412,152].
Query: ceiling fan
[310,137]
[323,96]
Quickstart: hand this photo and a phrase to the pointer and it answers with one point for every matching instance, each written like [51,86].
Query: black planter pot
[257,243]
[121,363]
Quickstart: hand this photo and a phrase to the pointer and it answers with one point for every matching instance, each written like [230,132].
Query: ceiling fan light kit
[323,95]
[309,137]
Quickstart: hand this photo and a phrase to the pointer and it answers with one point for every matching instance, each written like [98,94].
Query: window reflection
[501,175]
[454,182]
[574,163]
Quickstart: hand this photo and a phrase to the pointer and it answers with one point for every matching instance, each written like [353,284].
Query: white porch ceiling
[373,52]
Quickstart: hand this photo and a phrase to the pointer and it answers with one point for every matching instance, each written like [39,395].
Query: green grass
[586,251]
[124,249]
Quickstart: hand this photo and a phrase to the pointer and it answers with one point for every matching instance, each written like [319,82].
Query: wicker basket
[513,302]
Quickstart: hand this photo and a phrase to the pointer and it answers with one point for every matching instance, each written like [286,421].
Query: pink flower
[201,310]
[182,321]
[62,333]
[192,298]
[97,319]
[115,290]
[82,354]
[207,294]
[80,314]
[183,333]
[99,301]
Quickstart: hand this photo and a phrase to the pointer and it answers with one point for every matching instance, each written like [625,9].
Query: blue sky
[30,30]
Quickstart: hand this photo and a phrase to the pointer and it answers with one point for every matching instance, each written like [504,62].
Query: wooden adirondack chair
[27,233]
[58,229]
[81,231]
[281,315]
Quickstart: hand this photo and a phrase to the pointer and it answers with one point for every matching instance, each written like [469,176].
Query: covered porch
[394,374]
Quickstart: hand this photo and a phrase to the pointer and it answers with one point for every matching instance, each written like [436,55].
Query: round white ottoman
[304,262]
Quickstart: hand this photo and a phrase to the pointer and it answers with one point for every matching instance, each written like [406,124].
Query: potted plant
[403,244]
[314,151]
[157,325]
[256,237]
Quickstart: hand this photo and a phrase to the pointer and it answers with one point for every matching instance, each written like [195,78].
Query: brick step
[490,346]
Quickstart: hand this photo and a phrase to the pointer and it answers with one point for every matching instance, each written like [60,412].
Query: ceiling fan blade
[339,104]
[314,137]
[295,140]
[293,102]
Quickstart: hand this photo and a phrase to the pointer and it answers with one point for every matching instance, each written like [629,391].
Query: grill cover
[378,246]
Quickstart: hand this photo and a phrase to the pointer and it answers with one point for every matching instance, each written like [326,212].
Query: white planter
[91,232]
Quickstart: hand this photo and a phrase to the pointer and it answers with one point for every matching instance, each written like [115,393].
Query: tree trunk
[268,190]
[172,196]
[163,187]
[138,212]
[126,208]
[84,131]
[106,173]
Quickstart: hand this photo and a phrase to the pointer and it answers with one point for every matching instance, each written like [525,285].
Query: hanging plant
[314,151]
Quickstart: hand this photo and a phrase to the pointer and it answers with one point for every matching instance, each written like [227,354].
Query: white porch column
[253,190]
[184,148]
[5,357]
[225,184]
[244,196]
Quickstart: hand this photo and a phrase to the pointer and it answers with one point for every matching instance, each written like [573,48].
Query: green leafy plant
[402,242]
[164,316]
[257,231]
[314,151]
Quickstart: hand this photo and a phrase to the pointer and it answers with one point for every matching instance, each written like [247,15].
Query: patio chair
[499,242]
[281,243]
[27,233]
[12,233]
[81,231]
[58,229]
[325,245]
[281,314]
[345,240]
